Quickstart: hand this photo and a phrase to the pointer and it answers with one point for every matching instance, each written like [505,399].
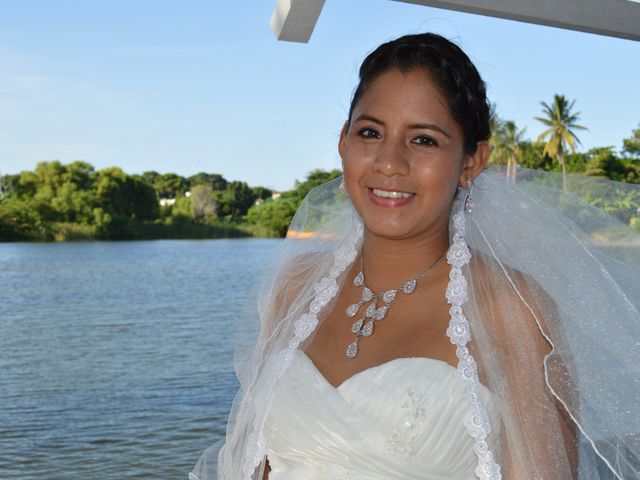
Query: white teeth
[386,194]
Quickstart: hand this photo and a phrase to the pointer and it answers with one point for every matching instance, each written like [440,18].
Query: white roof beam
[294,20]
[615,18]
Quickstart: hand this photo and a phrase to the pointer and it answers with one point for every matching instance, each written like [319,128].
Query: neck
[388,263]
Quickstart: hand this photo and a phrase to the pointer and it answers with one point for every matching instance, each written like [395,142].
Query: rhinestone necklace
[364,326]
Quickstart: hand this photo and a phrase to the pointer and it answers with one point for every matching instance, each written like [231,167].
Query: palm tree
[506,143]
[560,135]
[512,146]
[497,139]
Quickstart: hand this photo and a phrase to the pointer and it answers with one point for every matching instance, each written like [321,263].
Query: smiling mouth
[391,194]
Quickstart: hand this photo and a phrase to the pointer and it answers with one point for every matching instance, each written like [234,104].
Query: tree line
[555,149]
[74,201]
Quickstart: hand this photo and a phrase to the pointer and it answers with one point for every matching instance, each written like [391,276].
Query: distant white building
[170,201]
[274,196]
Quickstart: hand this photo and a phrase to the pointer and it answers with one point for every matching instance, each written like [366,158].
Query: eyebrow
[426,126]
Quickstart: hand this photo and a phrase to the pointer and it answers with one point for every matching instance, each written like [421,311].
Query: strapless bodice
[402,420]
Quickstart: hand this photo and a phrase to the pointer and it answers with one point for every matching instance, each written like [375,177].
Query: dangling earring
[468,200]
[342,187]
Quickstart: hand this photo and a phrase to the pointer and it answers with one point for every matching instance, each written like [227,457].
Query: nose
[390,158]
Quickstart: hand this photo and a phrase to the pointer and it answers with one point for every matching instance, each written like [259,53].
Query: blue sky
[202,85]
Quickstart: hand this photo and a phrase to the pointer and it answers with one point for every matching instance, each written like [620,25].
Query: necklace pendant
[367,294]
[389,296]
[381,313]
[353,309]
[371,310]
[359,280]
[410,286]
[355,328]
[352,349]
[367,330]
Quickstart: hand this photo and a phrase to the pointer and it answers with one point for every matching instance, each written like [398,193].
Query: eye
[368,132]
[425,141]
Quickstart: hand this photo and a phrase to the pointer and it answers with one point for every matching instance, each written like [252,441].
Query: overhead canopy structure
[294,20]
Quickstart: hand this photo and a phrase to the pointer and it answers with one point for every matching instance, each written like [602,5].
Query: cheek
[439,182]
[355,162]
[437,175]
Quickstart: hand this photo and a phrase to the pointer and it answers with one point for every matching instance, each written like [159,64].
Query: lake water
[116,357]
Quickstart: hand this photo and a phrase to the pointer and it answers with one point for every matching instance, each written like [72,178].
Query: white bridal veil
[549,300]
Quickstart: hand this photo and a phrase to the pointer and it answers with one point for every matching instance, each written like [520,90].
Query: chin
[390,230]
[410,225]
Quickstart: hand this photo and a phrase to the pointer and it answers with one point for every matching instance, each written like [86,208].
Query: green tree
[79,173]
[51,174]
[202,205]
[215,180]
[182,209]
[631,145]
[121,201]
[9,185]
[262,192]
[150,177]
[169,185]
[560,135]
[314,178]
[533,156]
[27,184]
[603,162]
[60,193]
[21,219]
[273,215]
[632,171]
[4,185]
[73,204]
[235,201]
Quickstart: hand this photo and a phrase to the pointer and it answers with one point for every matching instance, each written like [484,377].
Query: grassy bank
[67,232]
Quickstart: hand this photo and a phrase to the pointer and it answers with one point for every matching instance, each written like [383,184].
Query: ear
[474,163]
[342,144]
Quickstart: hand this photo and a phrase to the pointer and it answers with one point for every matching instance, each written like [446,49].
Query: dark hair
[448,66]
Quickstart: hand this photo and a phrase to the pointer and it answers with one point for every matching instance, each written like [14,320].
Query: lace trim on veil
[326,289]
[476,420]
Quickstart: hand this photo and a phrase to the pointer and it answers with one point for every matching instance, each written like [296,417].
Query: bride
[429,319]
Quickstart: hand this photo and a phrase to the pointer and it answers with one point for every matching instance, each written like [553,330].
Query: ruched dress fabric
[401,420]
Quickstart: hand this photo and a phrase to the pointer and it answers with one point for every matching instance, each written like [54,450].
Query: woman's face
[403,156]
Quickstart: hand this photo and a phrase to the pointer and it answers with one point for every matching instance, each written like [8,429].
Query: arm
[552,425]
[514,315]
[267,469]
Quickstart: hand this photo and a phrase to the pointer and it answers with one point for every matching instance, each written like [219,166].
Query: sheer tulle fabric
[553,298]
[537,270]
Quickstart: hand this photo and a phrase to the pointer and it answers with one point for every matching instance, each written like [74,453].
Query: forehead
[408,94]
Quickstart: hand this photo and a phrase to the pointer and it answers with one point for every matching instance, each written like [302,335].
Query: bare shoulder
[515,302]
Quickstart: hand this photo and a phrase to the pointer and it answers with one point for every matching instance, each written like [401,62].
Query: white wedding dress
[402,420]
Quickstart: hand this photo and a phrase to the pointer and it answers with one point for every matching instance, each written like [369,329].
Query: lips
[390,198]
